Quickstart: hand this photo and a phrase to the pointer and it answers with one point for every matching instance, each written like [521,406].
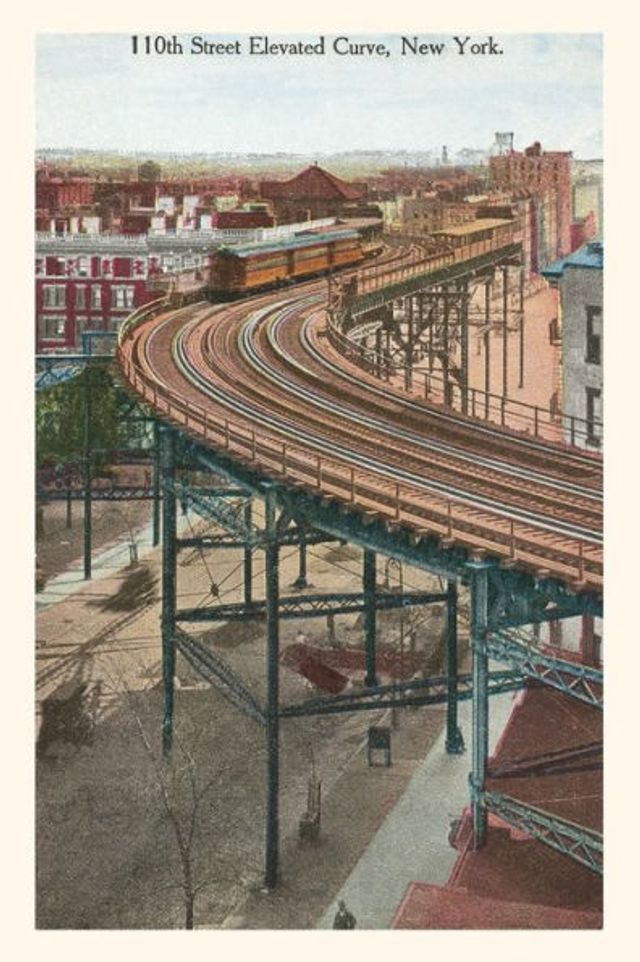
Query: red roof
[313,183]
[549,757]
[432,907]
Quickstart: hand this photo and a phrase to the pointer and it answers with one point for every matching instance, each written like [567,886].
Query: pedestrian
[344,918]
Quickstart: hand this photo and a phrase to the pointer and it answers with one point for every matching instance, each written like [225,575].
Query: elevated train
[252,268]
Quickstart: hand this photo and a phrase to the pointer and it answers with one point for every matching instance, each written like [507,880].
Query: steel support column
[169,573]
[86,474]
[487,348]
[478,585]
[505,331]
[247,561]
[272,713]
[369,616]
[446,387]
[301,580]
[155,481]
[408,370]
[464,349]
[454,741]
[521,329]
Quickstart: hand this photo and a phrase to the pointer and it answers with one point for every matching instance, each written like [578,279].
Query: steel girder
[306,606]
[291,538]
[215,671]
[581,844]
[515,597]
[445,275]
[576,680]
[216,508]
[422,691]
[117,493]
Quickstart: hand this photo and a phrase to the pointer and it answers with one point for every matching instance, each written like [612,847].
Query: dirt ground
[108,809]
[58,546]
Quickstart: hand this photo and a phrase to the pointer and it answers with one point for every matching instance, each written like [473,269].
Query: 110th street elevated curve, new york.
[262,395]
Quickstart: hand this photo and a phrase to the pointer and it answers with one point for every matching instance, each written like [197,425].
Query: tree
[60,418]
[182,794]
[149,171]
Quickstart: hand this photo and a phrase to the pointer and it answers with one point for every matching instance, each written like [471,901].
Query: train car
[253,267]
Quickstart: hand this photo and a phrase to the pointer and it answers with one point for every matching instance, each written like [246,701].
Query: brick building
[92,282]
[546,177]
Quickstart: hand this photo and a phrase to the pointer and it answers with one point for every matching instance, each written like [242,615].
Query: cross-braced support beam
[581,844]
[579,681]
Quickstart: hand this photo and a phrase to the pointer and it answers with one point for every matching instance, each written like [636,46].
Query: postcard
[319,340]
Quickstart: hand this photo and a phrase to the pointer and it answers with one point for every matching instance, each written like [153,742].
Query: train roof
[474,226]
[287,243]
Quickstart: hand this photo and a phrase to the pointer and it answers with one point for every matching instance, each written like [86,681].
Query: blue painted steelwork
[454,742]
[577,680]
[215,671]
[291,538]
[211,507]
[247,559]
[459,271]
[518,598]
[273,678]
[515,596]
[480,707]
[169,551]
[308,606]
[115,493]
[421,691]
[88,337]
[86,474]
[55,369]
[581,844]
[156,484]
[369,616]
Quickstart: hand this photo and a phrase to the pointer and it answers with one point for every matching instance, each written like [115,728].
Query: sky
[92,92]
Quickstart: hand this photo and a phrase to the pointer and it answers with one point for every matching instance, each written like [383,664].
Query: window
[54,295]
[83,266]
[121,297]
[51,327]
[594,331]
[594,415]
[96,298]
[81,296]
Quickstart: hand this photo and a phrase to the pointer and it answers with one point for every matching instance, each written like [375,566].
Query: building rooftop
[550,758]
[313,182]
[473,226]
[286,243]
[589,256]
[433,907]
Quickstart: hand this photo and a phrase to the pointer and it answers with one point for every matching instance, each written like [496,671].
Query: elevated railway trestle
[396,316]
[518,585]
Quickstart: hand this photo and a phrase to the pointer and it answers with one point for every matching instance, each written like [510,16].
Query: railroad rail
[255,380]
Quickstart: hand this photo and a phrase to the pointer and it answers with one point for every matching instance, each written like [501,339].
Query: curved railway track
[257,379]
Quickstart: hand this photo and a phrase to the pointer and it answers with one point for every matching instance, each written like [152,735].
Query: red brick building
[546,177]
[92,282]
[238,219]
[312,194]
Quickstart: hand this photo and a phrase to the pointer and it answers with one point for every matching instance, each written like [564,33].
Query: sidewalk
[412,843]
[384,826]
[103,565]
